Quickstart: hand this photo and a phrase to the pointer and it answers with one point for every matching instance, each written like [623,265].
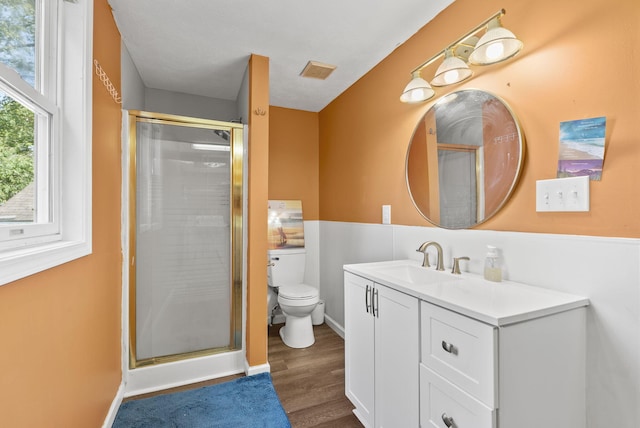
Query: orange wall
[60,329]
[257,217]
[293,158]
[578,61]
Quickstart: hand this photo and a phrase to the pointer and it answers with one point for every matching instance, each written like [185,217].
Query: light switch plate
[569,194]
[386,214]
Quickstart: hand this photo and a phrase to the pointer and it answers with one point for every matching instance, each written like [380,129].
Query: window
[45,134]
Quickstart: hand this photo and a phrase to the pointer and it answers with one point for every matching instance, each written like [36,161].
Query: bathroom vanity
[432,349]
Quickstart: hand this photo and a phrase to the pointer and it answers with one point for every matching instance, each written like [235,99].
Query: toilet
[296,299]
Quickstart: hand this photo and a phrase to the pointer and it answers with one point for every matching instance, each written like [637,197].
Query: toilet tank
[286,267]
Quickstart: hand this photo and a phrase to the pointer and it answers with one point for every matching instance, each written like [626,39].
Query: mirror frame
[514,180]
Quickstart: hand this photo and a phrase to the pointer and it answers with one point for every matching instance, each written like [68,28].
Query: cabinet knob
[449,348]
[448,421]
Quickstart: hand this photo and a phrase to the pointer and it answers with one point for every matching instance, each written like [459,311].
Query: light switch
[386,214]
[569,194]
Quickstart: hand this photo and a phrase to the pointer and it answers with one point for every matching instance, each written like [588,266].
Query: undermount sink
[413,274]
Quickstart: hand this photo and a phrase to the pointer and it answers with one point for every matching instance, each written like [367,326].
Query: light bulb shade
[452,70]
[417,91]
[497,44]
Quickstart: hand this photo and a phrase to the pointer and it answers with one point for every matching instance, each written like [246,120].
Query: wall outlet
[386,214]
[563,194]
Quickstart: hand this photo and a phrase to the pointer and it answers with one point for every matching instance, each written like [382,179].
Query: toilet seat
[297,292]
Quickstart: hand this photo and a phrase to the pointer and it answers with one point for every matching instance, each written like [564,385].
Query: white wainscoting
[343,243]
[606,270]
[312,245]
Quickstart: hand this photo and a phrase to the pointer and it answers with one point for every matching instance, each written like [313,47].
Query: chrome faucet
[425,261]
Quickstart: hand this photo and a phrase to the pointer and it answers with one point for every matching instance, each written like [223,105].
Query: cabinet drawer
[461,350]
[444,405]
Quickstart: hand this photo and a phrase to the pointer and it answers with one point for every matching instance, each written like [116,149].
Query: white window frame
[46,228]
[72,133]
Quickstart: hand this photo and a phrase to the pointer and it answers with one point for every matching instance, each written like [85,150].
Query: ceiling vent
[317,70]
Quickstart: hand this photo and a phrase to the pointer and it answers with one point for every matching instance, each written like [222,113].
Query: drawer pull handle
[448,421]
[449,348]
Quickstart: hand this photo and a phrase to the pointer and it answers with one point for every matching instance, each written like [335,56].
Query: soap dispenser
[492,265]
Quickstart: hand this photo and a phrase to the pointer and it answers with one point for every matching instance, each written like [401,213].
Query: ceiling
[202,47]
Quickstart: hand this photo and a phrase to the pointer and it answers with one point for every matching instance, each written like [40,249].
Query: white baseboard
[254,370]
[334,326]
[115,405]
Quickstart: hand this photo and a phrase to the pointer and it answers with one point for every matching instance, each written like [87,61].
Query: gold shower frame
[236,131]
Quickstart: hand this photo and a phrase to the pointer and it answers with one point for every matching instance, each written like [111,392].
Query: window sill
[20,263]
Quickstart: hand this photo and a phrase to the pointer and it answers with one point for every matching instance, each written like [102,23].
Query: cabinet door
[359,347]
[396,359]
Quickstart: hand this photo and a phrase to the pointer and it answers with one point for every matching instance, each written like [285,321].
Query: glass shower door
[183,288]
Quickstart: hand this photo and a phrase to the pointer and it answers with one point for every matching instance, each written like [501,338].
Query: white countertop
[495,303]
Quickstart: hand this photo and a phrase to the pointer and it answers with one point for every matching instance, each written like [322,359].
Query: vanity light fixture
[417,90]
[452,70]
[495,45]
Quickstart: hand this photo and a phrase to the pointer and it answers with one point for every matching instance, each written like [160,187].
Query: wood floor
[309,382]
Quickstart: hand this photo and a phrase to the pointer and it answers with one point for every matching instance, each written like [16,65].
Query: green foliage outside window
[16,147]
[17,50]
[17,37]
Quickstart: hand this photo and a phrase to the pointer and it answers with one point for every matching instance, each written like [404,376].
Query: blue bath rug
[249,402]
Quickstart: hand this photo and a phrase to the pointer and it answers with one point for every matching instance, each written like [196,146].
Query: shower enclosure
[185,238]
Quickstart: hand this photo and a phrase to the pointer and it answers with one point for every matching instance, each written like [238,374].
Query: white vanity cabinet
[529,374]
[485,354]
[381,354]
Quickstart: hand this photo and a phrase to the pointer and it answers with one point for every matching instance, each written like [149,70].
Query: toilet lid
[298,291]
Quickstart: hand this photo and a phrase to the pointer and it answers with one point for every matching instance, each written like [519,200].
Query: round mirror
[464,159]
